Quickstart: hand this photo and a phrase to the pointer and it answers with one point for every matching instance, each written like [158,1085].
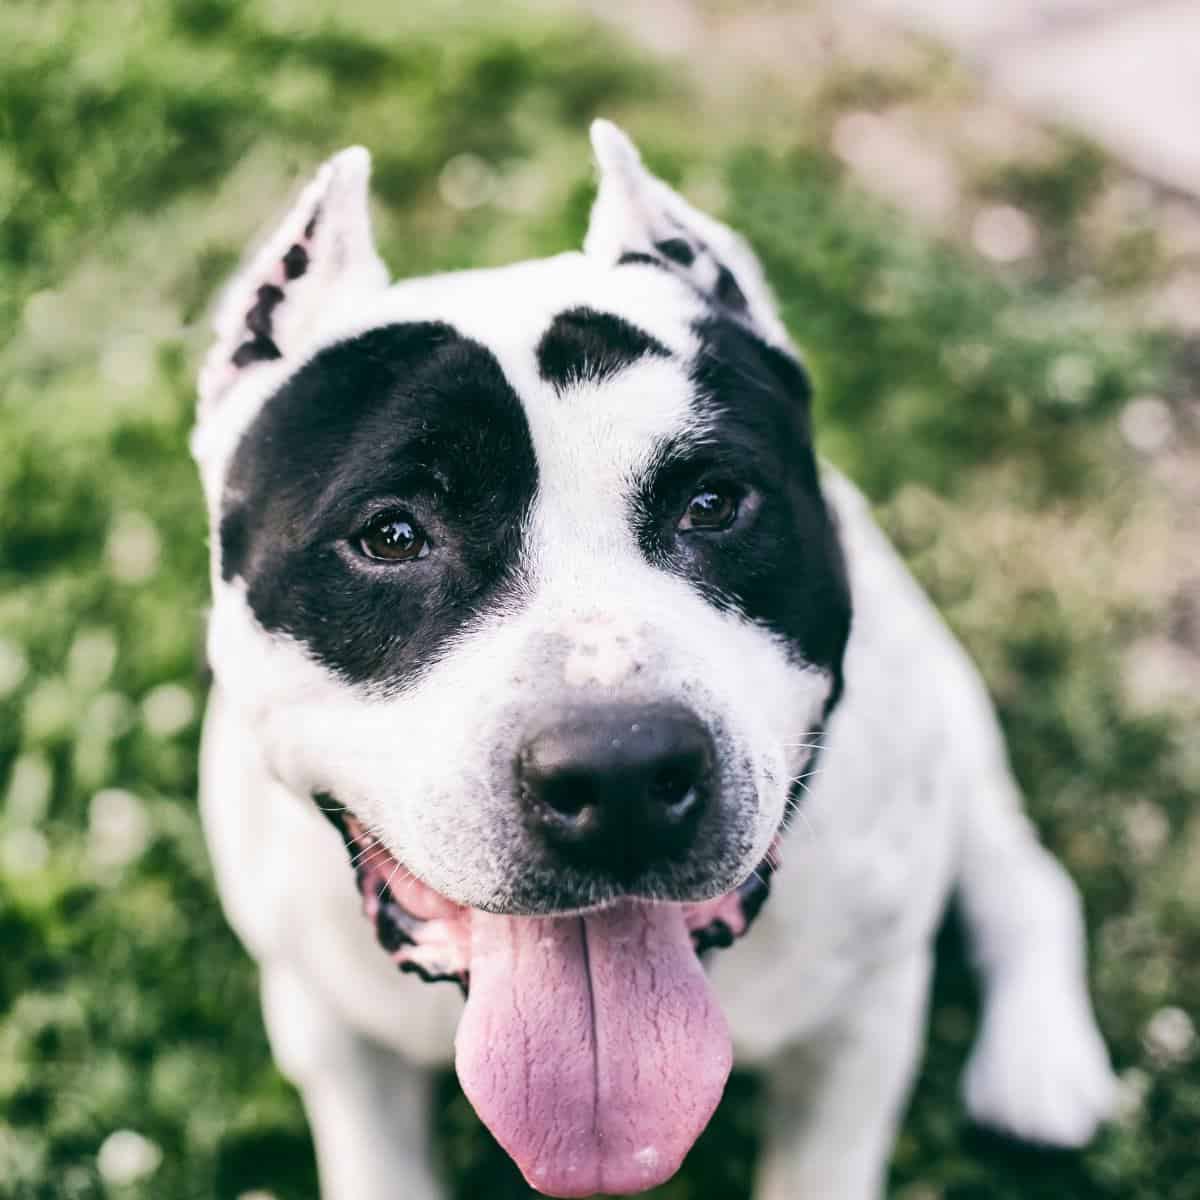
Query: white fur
[827,992]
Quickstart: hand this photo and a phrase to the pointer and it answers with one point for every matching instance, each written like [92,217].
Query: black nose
[617,788]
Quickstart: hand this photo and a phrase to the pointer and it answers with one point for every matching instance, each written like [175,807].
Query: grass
[141,146]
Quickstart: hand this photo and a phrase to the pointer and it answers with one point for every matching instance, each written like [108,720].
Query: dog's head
[526,572]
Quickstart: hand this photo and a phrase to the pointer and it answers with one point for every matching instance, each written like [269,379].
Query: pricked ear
[320,253]
[638,219]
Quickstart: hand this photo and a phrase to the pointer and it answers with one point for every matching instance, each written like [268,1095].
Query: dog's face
[527,569]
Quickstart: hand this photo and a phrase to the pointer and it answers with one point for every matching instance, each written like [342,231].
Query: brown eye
[710,508]
[393,537]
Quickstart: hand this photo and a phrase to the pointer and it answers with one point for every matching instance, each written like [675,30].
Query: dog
[531,597]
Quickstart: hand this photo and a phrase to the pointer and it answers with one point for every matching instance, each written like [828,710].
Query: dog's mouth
[591,1046]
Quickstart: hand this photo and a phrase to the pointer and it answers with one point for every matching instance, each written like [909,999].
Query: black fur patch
[754,892]
[411,416]
[781,563]
[295,261]
[257,349]
[677,250]
[728,291]
[258,319]
[583,345]
[714,936]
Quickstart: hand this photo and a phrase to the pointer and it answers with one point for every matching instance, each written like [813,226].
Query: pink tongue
[591,1047]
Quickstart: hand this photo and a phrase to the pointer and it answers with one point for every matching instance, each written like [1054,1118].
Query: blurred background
[982,223]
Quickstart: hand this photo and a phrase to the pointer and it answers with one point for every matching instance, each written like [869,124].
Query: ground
[994,317]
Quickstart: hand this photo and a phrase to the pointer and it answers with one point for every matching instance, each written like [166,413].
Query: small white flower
[91,658]
[133,548]
[118,828]
[168,709]
[1169,1036]
[1003,233]
[1147,424]
[29,788]
[467,181]
[126,1156]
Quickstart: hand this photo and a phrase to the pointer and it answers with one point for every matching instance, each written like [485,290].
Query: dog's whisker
[796,813]
[331,808]
[805,775]
[391,878]
[365,846]
[372,853]
[387,883]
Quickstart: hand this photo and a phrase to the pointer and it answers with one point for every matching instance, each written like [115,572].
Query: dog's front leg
[368,1109]
[834,1102]
[1039,1068]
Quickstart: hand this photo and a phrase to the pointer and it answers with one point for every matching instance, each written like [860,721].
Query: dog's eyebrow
[586,346]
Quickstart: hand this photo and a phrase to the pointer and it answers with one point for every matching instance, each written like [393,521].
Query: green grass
[140,147]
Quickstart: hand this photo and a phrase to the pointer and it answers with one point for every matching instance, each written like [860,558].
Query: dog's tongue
[591,1047]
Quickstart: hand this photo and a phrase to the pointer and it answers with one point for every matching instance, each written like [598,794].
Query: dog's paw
[1039,1069]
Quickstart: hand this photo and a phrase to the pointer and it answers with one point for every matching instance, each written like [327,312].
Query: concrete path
[1126,72]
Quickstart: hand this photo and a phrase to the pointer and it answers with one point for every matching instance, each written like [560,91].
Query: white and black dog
[530,593]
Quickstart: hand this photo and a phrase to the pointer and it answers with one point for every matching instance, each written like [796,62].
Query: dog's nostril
[674,787]
[568,797]
[615,787]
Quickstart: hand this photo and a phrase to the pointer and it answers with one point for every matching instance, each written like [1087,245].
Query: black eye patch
[363,419]
[784,568]
[586,346]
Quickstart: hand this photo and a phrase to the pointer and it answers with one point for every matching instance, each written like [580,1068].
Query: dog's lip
[421,930]
[428,934]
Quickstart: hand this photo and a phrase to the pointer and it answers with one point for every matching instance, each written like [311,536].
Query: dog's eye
[392,537]
[710,508]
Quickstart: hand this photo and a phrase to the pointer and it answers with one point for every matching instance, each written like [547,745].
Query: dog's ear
[637,218]
[321,254]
